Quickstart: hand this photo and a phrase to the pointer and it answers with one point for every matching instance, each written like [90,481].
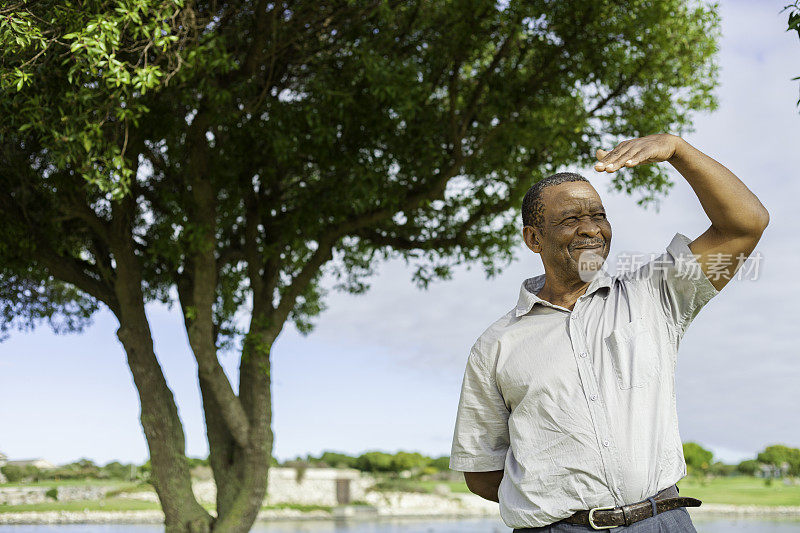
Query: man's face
[575,237]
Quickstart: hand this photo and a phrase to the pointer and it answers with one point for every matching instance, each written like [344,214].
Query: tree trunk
[250,464]
[240,473]
[159,414]
[164,433]
[222,451]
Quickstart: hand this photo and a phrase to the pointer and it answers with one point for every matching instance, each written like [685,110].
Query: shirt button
[606,443]
[593,397]
[583,354]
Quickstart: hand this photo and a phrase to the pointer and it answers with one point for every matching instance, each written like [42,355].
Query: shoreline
[364,514]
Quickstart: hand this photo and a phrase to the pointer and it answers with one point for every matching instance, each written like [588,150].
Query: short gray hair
[532,206]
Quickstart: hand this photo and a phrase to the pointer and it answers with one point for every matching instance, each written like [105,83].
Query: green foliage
[412,131]
[27,301]
[93,62]
[441,464]
[375,462]
[52,493]
[31,472]
[698,459]
[117,470]
[308,142]
[82,469]
[408,461]
[13,473]
[718,468]
[747,467]
[305,508]
[778,454]
[197,461]
[336,460]
[793,24]
[26,473]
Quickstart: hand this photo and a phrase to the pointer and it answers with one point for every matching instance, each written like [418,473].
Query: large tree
[228,155]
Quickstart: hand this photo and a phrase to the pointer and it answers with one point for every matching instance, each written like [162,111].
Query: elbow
[749,224]
[764,219]
[759,221]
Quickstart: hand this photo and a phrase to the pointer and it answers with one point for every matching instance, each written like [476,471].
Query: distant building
[41,464]
[305,485]
[316,486]
[772,471]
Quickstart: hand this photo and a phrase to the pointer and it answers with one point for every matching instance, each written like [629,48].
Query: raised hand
[650,149]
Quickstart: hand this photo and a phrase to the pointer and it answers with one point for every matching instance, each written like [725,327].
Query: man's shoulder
[488,343]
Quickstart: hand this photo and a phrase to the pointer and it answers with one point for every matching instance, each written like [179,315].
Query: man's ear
[532,239]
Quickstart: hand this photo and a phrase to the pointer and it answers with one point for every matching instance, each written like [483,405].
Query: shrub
[375,462]
[13,473]
[748,467]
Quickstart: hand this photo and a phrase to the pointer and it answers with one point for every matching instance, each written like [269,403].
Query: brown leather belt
[608,517]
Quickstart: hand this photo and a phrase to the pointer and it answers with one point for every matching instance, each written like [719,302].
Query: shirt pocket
[634,354]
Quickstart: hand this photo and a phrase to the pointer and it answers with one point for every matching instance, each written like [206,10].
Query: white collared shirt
[578,407]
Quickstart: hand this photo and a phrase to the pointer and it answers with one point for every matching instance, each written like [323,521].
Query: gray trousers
[674,521]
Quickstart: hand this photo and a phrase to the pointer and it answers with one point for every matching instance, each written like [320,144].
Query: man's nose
[589,228]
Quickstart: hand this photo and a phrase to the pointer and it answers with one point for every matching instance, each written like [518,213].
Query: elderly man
[567,411]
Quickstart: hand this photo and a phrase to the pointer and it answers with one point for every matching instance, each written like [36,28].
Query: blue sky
[383,370]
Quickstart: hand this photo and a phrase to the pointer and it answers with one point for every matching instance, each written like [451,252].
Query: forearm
[484,484]
[730,205]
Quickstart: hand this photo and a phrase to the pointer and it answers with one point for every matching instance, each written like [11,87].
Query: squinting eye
[601,215]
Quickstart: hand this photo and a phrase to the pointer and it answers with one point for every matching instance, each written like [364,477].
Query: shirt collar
[528,298]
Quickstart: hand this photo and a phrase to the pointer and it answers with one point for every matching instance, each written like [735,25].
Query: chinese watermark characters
[718,266]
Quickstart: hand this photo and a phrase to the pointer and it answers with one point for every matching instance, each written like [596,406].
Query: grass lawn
[455,486]
[742,490]
[733,490]
[108,504]
[118,504]
[298,507]
[127,485]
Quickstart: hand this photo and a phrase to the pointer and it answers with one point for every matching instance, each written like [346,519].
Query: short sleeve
[677,283]
[481,437]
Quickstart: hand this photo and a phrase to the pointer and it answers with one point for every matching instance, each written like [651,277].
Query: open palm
[649,149]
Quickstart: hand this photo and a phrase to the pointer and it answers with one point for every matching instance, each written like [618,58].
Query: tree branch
[199,291]
[299,283]
[469,110]
[79,273]
[209,369]
[621,86]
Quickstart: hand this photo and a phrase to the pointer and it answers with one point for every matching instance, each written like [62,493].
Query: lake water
[406,525]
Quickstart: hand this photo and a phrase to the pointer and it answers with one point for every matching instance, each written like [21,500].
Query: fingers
[616,158]
[636,157]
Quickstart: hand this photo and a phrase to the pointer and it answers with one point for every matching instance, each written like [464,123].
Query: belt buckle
[591,513]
